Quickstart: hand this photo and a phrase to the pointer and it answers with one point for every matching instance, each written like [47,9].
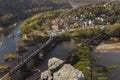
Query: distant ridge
[18,6]
[20,9]
[89,1]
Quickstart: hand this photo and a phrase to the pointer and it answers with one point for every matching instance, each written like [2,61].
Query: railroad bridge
[18,64]
[99,37]
[15,66]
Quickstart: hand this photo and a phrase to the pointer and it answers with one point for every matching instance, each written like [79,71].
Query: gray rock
[46,75]
[57,70]
[68,72]
[54,63]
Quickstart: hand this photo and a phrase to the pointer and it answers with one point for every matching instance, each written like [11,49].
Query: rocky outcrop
[54,63]
[68,72]
[58,70]
[47,75]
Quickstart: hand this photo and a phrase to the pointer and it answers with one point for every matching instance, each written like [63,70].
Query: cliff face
[58,70]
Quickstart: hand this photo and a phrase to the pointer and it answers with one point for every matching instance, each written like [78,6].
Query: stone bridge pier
[37,58]
[33,62]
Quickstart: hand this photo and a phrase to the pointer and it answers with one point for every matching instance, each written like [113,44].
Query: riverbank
[115,47]
[109,56]
[9,28]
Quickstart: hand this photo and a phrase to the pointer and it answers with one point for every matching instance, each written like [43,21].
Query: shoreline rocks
[108,48]
[58,70]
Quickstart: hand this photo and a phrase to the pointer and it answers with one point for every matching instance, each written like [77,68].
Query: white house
[55,28]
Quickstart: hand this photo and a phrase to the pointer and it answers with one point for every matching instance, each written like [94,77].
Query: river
[9,43]
[62,49]
[59,51]
[9,47]
[110,59]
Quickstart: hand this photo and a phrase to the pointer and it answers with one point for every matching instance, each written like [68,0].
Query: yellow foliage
[11,56]
[3,67]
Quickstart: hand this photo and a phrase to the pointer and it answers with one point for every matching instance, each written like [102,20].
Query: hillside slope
[79,2]
[17,6]
[25,8]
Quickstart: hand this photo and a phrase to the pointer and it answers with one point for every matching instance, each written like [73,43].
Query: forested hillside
[80,2]
[12,10]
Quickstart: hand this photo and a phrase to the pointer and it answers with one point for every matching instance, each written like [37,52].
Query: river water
[59,51]
[110,59]
[9,43]
[9,46]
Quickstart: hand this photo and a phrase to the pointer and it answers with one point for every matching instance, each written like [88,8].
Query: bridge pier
[21,64]
[36,60]
[24,67]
